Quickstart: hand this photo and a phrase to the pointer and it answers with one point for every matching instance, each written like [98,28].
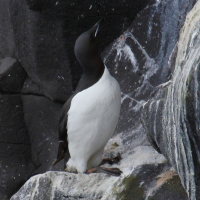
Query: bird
[90,115]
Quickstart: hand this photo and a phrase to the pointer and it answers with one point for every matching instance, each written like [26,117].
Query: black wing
[63,151]
[84,83]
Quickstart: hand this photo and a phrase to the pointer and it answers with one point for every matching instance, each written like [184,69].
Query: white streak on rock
[125,50]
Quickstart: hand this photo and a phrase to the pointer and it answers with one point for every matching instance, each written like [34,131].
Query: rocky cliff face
[171,118]
[38,71]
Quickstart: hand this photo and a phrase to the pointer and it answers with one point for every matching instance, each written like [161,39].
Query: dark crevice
[88,17]
[15,143]
[69,196]
[29,94]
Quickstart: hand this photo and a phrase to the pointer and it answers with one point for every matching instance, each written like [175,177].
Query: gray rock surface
[136,67]
[41,117]
[171,118]
[146,175]
[62,185]
[41,36]
[16,165]
[34,33]
[139,58]
[12,76]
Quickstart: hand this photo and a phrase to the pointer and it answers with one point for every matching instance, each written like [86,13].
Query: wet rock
[12,76]
[171,118]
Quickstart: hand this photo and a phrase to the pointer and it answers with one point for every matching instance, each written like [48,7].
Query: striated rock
[171,118]
[139,58]
[12,76]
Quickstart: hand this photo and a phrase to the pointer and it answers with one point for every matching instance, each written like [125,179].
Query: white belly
[92,119]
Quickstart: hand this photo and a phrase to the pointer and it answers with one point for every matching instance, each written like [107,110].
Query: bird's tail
[61,152]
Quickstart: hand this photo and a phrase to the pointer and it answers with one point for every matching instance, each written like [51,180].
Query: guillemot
[89,117]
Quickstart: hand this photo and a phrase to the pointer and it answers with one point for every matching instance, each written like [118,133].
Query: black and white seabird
[89,117]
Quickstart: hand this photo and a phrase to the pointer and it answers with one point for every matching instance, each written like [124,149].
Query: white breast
[92,119]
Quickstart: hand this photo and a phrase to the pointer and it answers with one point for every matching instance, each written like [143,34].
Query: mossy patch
[133,190]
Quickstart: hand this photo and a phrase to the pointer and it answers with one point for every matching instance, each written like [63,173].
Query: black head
[86,49]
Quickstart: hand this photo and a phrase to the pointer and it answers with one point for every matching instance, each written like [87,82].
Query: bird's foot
[93,170]
[110,171]
[111,161]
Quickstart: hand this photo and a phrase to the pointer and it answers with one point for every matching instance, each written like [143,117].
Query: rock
[44,40]
[139,58]
[40,46]
[13,127]
[171,118]
[41,117]
[12,76]
[84,9]
[24,36]
[15,149]
[145,178]
[62,185]
[44,36]
[151,182]
[7,47]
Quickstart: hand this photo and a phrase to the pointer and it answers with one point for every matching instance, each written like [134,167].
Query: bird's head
[86,48]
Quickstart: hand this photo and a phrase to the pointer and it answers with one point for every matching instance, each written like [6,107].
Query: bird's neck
[92,72]
[93,69]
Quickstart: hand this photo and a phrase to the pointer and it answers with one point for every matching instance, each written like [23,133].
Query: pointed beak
[97,25]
